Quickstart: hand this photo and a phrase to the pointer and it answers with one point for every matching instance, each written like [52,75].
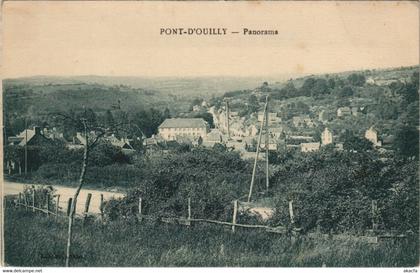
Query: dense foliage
[210,177]
[333,191]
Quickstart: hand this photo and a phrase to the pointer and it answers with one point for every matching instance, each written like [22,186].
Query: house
[339,147]
[309,147]
[77,142]
[370,80]
[28,137]
[233,114]
[276,132]
[172,128]
[239,146]
[272,144]
[213,137]
[326,137]
[272,117]
[372,135]
[124,144]
[53,133]
[154,142]
[302,121]
[383,82]
[297,140]
[343,111]
[354,111]
[252,130]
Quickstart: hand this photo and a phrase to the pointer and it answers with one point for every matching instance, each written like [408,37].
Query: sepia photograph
[210,134]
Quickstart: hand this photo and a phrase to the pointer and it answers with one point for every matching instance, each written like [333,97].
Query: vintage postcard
[210,134]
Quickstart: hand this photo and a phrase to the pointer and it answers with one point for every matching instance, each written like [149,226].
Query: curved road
[11,188]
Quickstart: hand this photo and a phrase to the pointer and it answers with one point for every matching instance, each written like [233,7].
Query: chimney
[37,130]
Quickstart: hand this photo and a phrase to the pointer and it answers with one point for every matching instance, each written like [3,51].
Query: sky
[123,38]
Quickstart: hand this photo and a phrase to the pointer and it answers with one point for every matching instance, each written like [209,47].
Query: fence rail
[23,201]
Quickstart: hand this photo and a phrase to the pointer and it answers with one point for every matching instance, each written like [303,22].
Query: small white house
[326,137]
[372,135]
[310,147]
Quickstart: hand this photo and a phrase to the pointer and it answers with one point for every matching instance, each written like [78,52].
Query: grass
[40,241]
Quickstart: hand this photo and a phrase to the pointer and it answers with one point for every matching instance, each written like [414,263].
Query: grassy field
[40,241]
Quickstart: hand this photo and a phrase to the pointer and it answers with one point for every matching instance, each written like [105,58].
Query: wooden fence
[186,221]
[23,201]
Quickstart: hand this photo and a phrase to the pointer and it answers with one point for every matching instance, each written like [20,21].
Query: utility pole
[258,151]
[267,146]
[227,119]
[26,146]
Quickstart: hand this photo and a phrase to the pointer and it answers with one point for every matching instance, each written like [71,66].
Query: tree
[109,119]
[207,117]
[356,79]
[289,91]
[166,113]
[87,120]
[406,142]
[354,143]
[148,121]
[253,104]
[345,92]
[307,87]
[331,83]
[320,88]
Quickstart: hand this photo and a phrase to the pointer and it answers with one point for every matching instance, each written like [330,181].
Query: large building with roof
[172,128]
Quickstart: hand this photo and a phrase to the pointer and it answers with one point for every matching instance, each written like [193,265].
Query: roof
[26,136]
[214,136]
[345,108]
[184,123]
[310,145]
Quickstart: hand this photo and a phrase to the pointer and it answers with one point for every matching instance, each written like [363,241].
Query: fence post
[57,206]
[33,199]
[69,206]
[235,212]
[48,204]
[189,208]
[292,217]
[20,200]
[89,196]
[26,201]
[101,207]
[374,215]
[140,209]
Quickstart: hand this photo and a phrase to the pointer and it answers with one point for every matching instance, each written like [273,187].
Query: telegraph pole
[258,151]
[267,182]
[26,146]
[227,118]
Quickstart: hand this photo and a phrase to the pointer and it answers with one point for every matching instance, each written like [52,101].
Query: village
[302,132]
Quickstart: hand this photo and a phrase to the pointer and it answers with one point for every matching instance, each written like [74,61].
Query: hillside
[184,86]
[346,103]
[63,97]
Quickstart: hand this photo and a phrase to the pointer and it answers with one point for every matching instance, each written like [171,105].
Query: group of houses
[38,137]
[242,134]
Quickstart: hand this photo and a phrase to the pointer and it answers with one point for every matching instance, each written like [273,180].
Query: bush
[40,193]
[211,178]
[334,192]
